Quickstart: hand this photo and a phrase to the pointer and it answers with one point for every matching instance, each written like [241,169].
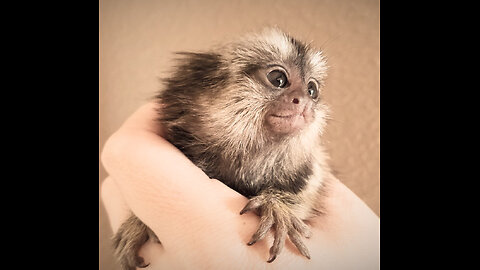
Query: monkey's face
[279,80]
[292,99]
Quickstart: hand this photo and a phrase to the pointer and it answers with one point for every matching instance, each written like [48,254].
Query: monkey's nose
[297,97]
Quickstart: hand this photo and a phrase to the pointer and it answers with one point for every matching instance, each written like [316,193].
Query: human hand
[197,219]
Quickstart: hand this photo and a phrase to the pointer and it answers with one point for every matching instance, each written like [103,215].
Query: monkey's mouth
[286,122]
[290,114]
[287,116]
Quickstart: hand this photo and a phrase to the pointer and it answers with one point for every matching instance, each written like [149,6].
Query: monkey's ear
[199,61]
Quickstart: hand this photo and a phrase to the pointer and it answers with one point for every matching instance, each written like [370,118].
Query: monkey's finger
[252,204]
[133,260]
[295,237]
[279,242]
[266,223]
[140,263]
[301,227]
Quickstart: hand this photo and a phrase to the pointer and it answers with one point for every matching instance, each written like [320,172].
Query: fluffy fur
[215,110]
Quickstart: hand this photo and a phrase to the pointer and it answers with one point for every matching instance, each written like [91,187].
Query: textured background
[137,39]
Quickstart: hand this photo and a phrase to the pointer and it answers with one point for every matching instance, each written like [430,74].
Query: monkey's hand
[276,210]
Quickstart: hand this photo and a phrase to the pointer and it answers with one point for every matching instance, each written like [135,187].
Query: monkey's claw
[252,204]
[276,214]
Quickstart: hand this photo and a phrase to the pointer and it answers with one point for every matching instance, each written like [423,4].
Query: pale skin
[197,218]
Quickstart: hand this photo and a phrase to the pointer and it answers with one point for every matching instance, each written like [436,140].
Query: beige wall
[137,39]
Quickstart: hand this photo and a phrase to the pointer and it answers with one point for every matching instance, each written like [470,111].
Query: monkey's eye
[277,78]
[312,90]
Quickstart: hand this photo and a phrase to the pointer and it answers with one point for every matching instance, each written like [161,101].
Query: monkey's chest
[248,176]
[249,180]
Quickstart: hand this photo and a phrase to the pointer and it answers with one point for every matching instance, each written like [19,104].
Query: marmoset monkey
[249,114]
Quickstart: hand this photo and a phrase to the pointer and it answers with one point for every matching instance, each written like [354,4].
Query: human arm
[197,219]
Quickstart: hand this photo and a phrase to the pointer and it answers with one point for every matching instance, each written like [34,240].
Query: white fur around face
[275,37]
[318,65]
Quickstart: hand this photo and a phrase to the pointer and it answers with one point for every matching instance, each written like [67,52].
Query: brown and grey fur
[215,110]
